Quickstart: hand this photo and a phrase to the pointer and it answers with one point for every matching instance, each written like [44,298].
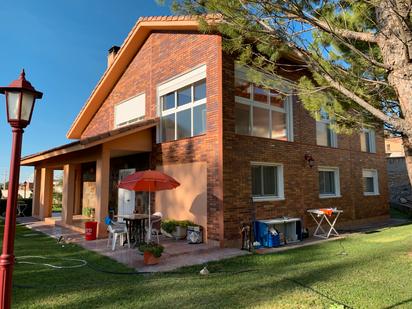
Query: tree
[358,54]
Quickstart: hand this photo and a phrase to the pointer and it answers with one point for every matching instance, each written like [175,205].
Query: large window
[183,106]
[267,181]
[325,136]
[262,112]
[329,185]
[367,140]
[370,182]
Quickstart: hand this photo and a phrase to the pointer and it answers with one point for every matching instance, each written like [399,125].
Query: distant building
[394,147]
[398,180]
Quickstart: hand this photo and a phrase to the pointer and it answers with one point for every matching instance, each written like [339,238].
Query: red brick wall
[300,181]
[163,56]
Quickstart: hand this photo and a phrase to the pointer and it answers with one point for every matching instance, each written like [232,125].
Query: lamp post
[20,98]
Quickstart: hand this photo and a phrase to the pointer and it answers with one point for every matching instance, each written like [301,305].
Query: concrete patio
[176,254]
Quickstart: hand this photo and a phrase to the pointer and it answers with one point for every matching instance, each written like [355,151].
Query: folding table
[322,215]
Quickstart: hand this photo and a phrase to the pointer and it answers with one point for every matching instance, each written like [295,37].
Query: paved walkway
[176,254]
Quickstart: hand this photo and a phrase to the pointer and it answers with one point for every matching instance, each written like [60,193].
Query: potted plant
[177,229]
[88,212]
[151,253]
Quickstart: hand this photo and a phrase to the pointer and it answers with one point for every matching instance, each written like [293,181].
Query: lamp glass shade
[13,100]
[26,105]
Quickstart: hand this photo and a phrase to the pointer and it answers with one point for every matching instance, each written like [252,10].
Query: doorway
[126,198]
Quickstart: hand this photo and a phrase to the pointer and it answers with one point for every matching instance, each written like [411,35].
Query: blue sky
[62,45]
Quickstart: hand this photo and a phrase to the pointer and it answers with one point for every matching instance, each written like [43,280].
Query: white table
[285,225]
[320,217]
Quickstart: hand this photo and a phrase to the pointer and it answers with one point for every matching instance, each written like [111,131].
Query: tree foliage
[342,44]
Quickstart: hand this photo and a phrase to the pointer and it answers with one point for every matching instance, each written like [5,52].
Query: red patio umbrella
[148,181]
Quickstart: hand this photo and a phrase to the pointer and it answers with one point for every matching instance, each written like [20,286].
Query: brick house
[171,100]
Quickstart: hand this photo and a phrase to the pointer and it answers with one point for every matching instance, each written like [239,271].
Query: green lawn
[375,273]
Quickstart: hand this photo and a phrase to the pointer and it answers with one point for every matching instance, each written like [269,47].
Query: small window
[267,181]
[329,185]
[168,101]
[367,140]
[200,90]
[325,136]
[370,182]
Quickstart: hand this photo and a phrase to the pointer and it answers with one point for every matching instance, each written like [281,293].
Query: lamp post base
[6,270]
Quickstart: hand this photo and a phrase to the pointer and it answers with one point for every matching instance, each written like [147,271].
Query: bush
[88,211]
[170,225]
[153,248]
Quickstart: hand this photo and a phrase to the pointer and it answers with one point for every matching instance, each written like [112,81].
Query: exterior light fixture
[20,99]
[309,160]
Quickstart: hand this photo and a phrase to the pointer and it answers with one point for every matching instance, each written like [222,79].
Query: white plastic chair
[155,231]
[115,230]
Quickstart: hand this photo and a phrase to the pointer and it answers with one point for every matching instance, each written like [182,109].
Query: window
[325,136]
[262,112]
[370,182]
[182,107]
[367,140]
[329,185]
[267,181]
[130,111]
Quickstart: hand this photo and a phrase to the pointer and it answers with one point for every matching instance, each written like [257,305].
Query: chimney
[112,54]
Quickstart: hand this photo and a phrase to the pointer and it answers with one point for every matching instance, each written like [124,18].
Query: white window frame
[138,97]
[173,85]
[280,183]
[241,74]
[333,137]
[374,174]
[372,140]
[335,170]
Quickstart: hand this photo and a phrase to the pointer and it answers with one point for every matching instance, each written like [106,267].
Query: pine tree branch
[397,123]
[272,31]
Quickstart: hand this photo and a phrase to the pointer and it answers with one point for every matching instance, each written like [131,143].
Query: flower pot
[150,259]
[179,232]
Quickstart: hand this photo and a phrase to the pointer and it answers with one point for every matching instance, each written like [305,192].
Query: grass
[374,273]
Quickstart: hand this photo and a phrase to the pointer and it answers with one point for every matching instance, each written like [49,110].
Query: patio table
[320,215]
[135,224]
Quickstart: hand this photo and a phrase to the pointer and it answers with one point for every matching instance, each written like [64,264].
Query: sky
[62,45]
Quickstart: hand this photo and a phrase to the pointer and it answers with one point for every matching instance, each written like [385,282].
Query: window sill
[267,198]
[326,146]
[329,196]
[371,193]
[182,139]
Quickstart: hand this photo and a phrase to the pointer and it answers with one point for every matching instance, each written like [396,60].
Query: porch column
[77,191]
[36,193]
[102,191]
[46,193]
[69,172]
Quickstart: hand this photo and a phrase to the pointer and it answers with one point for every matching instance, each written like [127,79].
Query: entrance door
[126,200]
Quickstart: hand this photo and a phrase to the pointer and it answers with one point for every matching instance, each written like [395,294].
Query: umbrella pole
[150,224]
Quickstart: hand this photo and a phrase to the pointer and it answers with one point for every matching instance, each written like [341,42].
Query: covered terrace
[87,175]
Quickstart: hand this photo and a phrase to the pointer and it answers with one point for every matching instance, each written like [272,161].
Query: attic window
[130,111]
